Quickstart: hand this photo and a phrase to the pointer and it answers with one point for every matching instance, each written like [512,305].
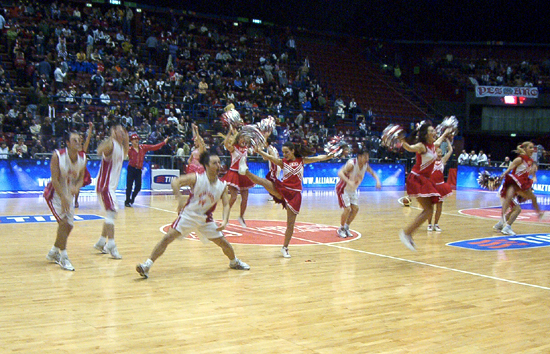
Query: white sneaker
[53,256]
[239,265]
[284,251]
[342,233]
[100,246]
[241,221]
[507,230]
[113,251]
[242,166]
[437,228]
[498,226]
[407,240]
[348,234]
[143,270]
[430,227]
[64,263]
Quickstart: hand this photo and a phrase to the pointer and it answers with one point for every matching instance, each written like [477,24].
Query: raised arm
[198,138]
[88,137]
[318,158]
[227,142]
[443,137]
[105,148]
[277,161]
[155,147]
[445,158]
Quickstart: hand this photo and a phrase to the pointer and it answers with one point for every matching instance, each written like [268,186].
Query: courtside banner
[500,243]
[467,177]
[34,175]
[501,91]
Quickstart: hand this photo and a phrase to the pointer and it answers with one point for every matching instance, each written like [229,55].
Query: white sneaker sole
[406,241]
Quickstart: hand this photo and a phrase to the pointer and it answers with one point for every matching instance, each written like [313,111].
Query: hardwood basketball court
[368,295]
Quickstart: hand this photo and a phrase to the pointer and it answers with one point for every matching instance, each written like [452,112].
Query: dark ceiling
[490,20]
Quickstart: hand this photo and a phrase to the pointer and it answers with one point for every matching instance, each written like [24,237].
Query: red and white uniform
[347,194]
[290,185]
[197,213]
[194,165]
[69,172]
[274,170]
[519,176]
[418,182]
[439,180]
[232,177]
[109,175]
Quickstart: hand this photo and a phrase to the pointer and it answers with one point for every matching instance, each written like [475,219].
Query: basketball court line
[406,260]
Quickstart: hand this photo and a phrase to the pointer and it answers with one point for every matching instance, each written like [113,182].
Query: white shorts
[185,224]
[349,198]
[55,206]
[107,199]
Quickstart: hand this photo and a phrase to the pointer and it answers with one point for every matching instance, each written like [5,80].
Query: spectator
[505,163]
[4,149]
[151,44]
[59,76]
[482,159]
[19,149]
[464,158]
[473,158]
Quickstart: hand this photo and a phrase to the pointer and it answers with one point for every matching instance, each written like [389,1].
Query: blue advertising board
[467,178]
[34,175]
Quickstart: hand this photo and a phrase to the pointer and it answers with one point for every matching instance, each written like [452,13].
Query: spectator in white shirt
[473,158]
[4,150]
[482,159]
[105,99]
[464,158]
[59,76]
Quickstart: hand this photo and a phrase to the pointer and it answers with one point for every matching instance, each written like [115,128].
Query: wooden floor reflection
[370,295]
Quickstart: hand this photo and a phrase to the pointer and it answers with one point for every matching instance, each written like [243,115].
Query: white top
[356,175]
[109,172]
[69,171]
[204,197]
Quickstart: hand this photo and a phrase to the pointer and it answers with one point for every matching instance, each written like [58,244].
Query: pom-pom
[448,122]
[405,201]
[232,118]
[487,181]
[254,136]
[336,146]
[391,136]
[267,125]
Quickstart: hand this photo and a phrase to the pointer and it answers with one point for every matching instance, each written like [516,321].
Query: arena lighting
[510,100]
[235,24]
[114,2]
[513,135]
[88,4]
[254,20]
[138,10]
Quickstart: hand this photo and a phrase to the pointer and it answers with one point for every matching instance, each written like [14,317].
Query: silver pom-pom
[254,136]
[232,118]
[448,122]
[337,146]
[267,125]
[488,181]
[391,137]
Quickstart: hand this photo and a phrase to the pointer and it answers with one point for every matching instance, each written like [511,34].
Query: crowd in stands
[66,64]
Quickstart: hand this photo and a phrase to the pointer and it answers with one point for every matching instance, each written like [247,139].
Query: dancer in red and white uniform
[112,150]
[193,164]
[517,181]
[196,213]
[288,190]
[442,187]
[419,184]
[67,166]
[351,175]
[237,145]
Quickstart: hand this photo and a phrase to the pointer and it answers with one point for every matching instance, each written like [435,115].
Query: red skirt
[192,168]
[87,178]
[521,183]
[291,198]
[234,179]
[444,189]
[419,186]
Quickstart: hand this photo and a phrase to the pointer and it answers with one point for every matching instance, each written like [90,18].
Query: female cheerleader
[288,190]
[443,188]
[237,145]
[193,164]
[419,184]
[517,182]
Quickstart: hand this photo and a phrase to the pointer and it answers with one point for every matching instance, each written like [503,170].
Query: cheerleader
[419,184]
[87,177]
[443,188]
[517,182]
[193,164]
[288,190]
[237,145]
